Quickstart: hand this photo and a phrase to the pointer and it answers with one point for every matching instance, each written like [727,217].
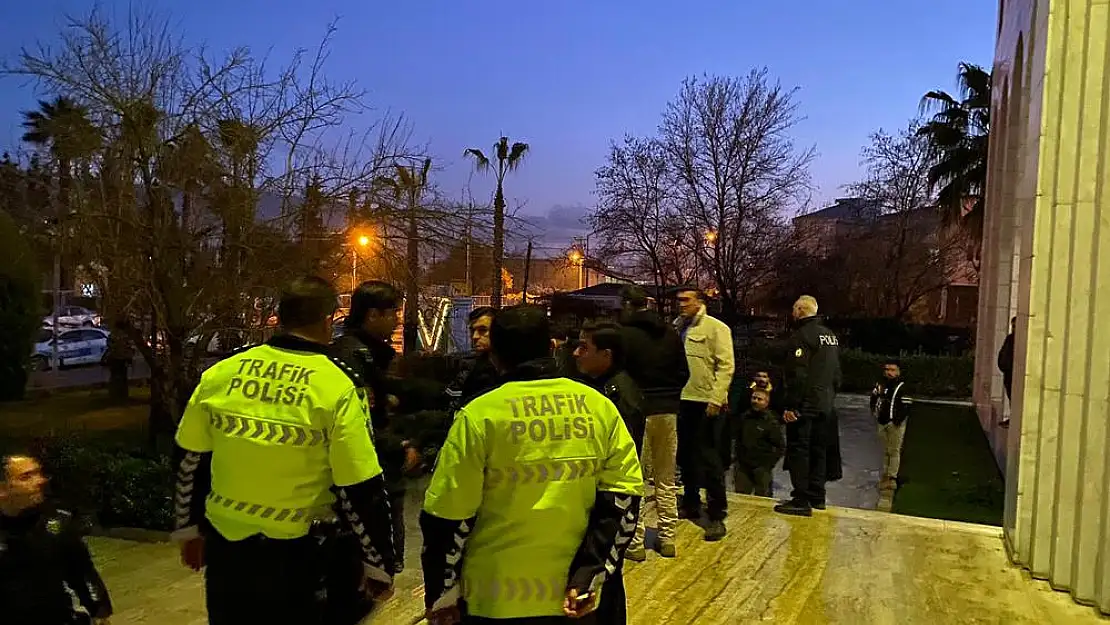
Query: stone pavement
[843,566]
[861,453]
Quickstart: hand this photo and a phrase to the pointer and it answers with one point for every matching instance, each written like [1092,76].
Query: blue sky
[568,76]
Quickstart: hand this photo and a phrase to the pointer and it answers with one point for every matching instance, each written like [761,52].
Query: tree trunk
[498,245]
[412,283]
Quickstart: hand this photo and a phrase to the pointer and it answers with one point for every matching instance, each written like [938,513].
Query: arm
[726,363]
[776,441]
[361,488]
[796,374]
[194,470]
[874,397]
[451,506]
[612,521]
[81,573]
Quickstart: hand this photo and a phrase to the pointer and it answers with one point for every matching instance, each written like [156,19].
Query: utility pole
[527,270]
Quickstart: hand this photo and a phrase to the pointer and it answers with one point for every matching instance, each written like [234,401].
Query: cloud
[554,230]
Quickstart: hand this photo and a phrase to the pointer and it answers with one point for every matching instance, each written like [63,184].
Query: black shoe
[817,505]
[689,513]
[715,531]
[398,567]
[795,508]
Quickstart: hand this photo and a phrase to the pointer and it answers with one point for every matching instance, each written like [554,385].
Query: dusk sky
[569,76]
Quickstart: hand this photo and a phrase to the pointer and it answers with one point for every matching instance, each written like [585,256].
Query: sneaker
[667,550]
[817,505]
[795,508]
[636,554]
[715,531]
[398,567]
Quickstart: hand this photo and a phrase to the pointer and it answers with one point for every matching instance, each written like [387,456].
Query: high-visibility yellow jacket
[517,479]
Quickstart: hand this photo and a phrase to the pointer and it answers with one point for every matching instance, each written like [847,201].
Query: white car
[81,346]
[73,317]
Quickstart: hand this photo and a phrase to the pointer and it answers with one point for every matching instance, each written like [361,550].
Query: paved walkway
[843,566]
[861,453]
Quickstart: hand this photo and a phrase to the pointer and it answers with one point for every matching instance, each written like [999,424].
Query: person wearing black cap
[891,406]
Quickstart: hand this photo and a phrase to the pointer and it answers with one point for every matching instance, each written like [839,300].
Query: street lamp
[363,241]
[577,259]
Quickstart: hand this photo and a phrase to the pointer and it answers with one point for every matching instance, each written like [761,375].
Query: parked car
[82,346]
[73,317]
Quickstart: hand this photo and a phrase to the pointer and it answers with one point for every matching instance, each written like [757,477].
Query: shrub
[110,483]
[928,376]
[20,315]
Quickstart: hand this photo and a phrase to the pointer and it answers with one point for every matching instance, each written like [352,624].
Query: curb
[135,534]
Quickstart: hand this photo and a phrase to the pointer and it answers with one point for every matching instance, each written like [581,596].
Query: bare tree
[637,208]
[904,253]
[738,172]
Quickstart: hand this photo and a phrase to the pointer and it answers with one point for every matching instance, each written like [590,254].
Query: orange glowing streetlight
[711,237]
[364,240]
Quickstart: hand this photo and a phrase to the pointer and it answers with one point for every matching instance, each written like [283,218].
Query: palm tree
[509,157]
[957,134]
[62,126]
[409,185]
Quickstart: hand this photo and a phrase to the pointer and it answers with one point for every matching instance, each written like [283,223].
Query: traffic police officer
[267,434]
[813,371]
[535,493]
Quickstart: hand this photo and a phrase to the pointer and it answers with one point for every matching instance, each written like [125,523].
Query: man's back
[814,367]
[528,460]
[656,361]
[269,416]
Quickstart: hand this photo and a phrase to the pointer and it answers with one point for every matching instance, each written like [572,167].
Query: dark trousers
[699,459]
[346,603]
[397,514]
[752,480]
[262,580]
[807,456]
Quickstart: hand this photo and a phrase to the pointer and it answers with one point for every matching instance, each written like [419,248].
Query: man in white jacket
[701,419]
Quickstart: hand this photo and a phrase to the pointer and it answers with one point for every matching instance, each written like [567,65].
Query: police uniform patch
[798,353]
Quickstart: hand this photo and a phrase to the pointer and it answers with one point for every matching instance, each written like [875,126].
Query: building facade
[1046,260]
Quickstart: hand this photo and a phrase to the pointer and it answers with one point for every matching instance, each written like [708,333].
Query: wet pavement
[841,566]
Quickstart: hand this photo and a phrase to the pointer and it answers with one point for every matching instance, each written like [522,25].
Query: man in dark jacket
[478,374]
[656,361]
[813,371]
[600,357]
[365,347]
[46,574]
[759,445]
[891,406]
[1006,367]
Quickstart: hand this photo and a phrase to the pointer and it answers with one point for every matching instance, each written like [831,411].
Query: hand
[575,606]
[789,416]
[712,410]
[412,459]
[445,616]
[192,553]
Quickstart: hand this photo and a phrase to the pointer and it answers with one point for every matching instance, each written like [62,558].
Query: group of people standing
[290,481]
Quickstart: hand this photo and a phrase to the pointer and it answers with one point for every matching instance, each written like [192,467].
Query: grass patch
[73,412]
[948,470]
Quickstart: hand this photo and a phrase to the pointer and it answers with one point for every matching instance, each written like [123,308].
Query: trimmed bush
[928,376]
[109,483]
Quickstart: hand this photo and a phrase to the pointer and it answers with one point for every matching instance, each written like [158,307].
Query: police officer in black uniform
[46,574]
[813,371]
[365,347]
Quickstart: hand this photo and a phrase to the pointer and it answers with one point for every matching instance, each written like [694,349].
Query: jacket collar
[381,350]
[538,369]
[296,344]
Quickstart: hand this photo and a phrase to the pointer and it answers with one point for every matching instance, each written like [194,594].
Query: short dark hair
[606,335]
[519,334]
[698,293]
[479,312]
[892,360]
[634,296]
[306,301]
[371,295]
[13,449]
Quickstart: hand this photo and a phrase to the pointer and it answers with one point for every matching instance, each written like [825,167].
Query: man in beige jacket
[701,418]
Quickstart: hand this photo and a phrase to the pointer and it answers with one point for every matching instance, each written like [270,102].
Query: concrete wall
[1047,258]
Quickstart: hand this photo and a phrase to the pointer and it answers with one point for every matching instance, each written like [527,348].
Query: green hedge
[928,376]
[109,483]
